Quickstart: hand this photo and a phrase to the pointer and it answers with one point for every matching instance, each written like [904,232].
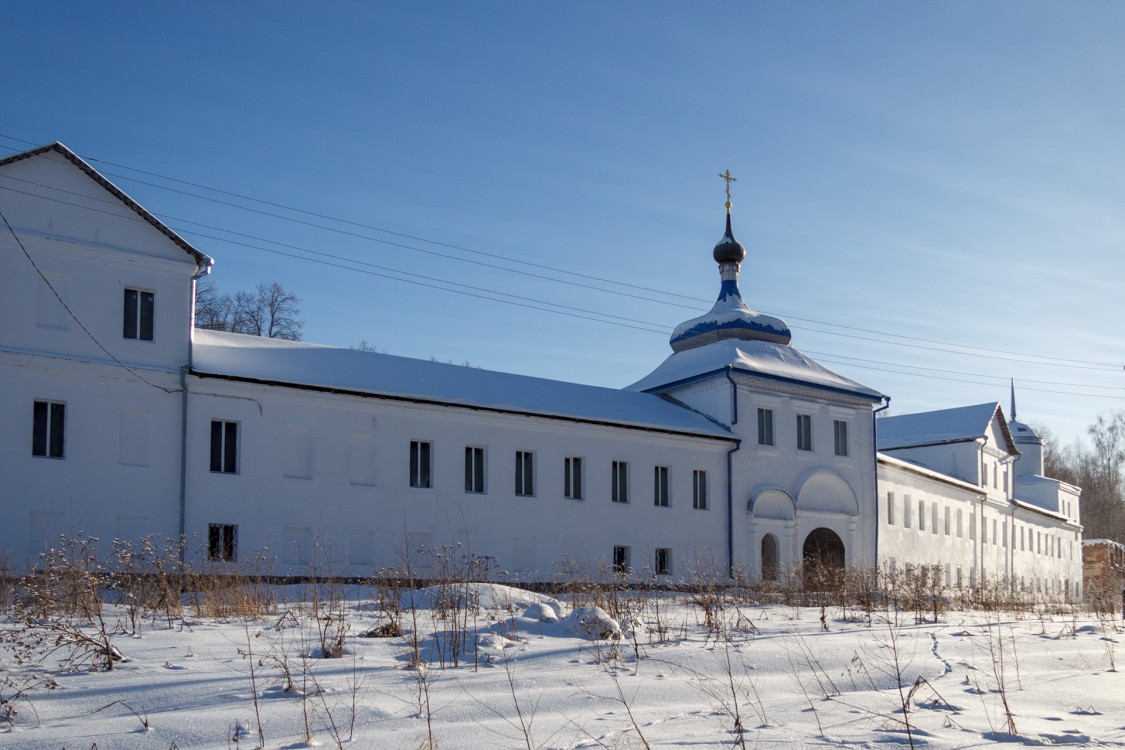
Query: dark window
[474,469]
[224,447]
[769,558]
[620,488]
[765,427]
[660,486]
[699,489]
[222,542]
[48,430]
[420,464]
[804,432]
[621,560]
[840,436]
[140,308]
[663,563]
[572,478]
[525,476]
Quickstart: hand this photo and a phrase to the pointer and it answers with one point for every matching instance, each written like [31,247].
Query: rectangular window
[921,515]
[933,518]
[660,486]
[890,508]
[421,464]
[960,525]
[994,541]
[525,477]
[620,489]
[804,432]
[983,474]
[572,478]
[222,542]
[765,426]
[139,310]
[224,447]
[947,520]
[48,429]
[621,560]
[840,437]
[906,512]
[699,489]
[474,469]
[662,566]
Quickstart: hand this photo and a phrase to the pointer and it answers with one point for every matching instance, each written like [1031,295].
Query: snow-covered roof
[202,259]
[763,358]
[925,471]
[955,425]
[260,359]
[1027,505]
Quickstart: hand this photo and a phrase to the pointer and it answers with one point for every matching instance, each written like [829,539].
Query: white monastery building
[737,453]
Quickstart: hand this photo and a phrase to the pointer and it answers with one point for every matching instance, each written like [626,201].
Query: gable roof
[200,258]
[263,360]
[958,425]
[762,358]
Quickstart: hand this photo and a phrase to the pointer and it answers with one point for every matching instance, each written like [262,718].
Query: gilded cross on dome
[726,176]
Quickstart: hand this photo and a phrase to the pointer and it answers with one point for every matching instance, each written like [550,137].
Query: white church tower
[801,482]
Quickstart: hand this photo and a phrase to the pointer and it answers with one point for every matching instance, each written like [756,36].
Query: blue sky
[931,194]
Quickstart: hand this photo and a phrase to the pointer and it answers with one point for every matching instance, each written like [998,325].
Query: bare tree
[271,311]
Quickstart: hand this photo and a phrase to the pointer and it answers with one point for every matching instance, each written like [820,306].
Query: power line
[538,265]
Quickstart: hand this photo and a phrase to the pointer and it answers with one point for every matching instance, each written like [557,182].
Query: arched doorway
[823,558]
[770,563]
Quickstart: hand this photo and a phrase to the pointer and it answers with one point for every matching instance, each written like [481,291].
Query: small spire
[1013,419]
[728,178]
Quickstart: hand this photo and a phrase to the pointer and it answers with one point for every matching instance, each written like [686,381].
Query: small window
[621,560]
[620,490]
[765,426]
[474,469]
[890,508]
[660,486]
[921,515]
[662,566]
[421,464]
[840,437]
[48,429]
[572,478]
[224,447]
[983,474]
[222,542]
[804,432]
[770,558]
[139,310]
[525,477]
[699,489]
[906,512]
[948,516]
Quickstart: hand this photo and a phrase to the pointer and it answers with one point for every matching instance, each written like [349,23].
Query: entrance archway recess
[822,559]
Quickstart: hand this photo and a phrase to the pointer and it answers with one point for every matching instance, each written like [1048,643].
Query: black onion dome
[729,250]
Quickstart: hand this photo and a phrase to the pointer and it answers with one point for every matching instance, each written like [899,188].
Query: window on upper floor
[140,309]
[699,489]
[572,477]
[421,464]
[804,432]
[765,426]
[474,469]
[660,486]
[619,490]
[224,447]
[906,511]
[222,542]
[921,515]
[48,429]
[840,437]
[890,508]
[525,473]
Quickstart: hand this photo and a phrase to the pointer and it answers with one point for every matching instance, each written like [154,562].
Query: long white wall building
[737,452]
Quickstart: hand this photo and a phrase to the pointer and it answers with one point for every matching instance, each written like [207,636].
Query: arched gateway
[823,555]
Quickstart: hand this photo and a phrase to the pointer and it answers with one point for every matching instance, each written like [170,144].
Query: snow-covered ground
[535,672]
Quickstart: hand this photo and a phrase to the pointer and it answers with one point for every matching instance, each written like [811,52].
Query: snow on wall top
[771,360]
[934,427]
[311,365]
